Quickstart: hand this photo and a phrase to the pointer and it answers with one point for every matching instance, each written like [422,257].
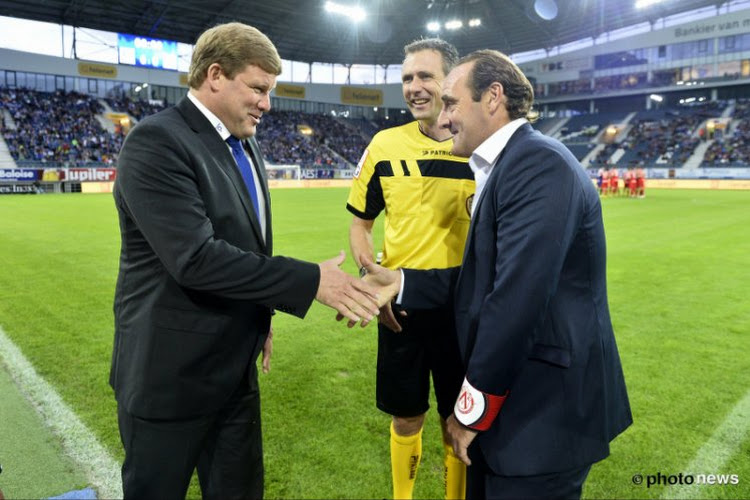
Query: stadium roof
[303,31]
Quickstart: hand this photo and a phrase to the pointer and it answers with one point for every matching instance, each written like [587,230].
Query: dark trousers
[226,448]
[482,483]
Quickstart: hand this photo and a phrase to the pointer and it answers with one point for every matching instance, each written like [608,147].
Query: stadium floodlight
[355,13]
[473,23]
[546,9]
[433,26]
[453,25]
[656,98]
[642,4]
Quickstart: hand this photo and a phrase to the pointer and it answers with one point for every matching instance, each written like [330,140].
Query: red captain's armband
[476,409]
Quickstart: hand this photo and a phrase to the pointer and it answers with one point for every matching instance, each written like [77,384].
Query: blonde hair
[233,46]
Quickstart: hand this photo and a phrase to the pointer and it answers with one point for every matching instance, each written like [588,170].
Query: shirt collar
[220,128]
[485,156]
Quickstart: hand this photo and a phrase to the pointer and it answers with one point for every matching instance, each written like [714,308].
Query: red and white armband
[476,409]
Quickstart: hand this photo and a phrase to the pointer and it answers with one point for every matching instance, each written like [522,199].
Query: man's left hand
[461,437]
[267,351]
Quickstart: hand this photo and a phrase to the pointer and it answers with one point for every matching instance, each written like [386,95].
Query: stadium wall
[576,61]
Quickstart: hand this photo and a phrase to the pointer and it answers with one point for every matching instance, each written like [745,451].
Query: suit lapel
[223,159]
[495,174]
[489,186]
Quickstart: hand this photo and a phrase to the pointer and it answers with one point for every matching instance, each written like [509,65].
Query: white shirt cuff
[400,295]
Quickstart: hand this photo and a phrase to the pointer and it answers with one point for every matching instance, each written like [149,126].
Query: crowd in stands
[58,128]
[310,140]
[64,129]
[135,108]
[733,148]
[282,142]
[603,156]
[670,140]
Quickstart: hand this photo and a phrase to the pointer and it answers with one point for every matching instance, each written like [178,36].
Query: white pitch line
[78,441]
[716,452]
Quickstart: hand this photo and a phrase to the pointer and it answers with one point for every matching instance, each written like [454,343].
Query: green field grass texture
[679,275]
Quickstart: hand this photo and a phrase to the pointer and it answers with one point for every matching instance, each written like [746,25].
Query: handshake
[359,300]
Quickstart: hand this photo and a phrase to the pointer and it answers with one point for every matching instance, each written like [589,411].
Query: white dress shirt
[224,133]
[483,158]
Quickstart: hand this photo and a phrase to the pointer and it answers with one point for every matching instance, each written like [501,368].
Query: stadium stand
[669,137]
[57,128]
[732,149]
[64,129]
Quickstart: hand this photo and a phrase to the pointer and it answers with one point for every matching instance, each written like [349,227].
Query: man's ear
[495,96]
[214,76]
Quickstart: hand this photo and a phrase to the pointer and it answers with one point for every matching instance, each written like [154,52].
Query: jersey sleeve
[366,195]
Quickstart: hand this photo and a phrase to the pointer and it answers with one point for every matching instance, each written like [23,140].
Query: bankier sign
[286,90]
[97,70]
[361,96]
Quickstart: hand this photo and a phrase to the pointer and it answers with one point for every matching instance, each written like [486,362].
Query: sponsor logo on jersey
[437,152]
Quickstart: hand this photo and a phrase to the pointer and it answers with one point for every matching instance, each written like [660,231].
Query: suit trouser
[482,483]
[226,448]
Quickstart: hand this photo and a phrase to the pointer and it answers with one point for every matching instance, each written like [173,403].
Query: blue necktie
[245,169]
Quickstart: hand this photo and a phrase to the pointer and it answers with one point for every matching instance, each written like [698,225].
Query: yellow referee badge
[361,162]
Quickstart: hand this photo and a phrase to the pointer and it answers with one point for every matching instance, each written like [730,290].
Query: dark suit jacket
[532,314]
[197,282]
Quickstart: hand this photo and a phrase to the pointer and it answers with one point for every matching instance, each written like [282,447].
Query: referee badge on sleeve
[361,162]
[476,409]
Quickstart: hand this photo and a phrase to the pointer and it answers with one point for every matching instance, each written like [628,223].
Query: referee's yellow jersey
[426,193]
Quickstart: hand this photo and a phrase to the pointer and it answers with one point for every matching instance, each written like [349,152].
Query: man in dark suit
[544,392]
[197,283]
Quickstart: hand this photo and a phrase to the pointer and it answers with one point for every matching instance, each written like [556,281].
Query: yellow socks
[454,475]
[406,451]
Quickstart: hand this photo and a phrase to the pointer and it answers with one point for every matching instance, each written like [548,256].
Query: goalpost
[283,172]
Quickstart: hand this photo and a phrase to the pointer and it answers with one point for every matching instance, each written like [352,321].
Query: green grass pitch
[679,291]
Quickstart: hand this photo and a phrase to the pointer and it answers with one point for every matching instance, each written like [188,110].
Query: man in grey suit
[197,283]
[544,392]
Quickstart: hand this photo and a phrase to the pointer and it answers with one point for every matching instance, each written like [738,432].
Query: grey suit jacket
[197,283]
[532,314]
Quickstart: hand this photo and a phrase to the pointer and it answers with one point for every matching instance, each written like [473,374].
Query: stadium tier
[70,129]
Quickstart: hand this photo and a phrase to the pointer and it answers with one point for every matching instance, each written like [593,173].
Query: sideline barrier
[734,184]
[93,180]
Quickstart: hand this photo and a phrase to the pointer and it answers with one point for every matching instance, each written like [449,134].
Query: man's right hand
[387,281]
[389,285]
[351,297]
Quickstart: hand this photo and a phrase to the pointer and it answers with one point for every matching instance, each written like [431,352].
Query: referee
[426,192]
